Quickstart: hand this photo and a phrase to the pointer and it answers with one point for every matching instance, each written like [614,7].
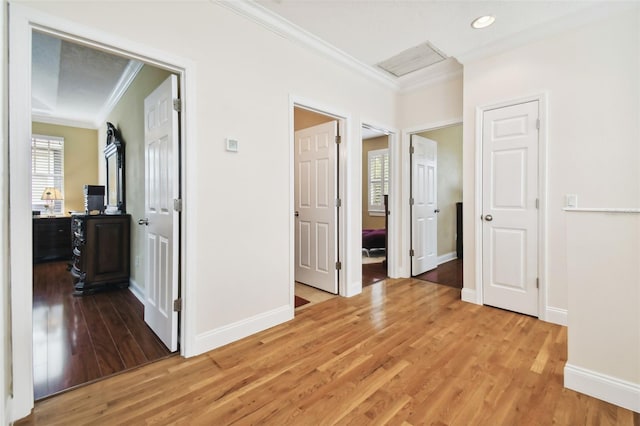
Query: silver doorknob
[144,222]
[488,218]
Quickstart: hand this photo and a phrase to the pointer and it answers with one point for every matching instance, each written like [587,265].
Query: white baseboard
[556,316]
[469,295]
[447,257]
[619,392]
[137,291]
[230,333]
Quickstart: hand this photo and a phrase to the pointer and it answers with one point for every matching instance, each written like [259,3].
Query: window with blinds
[47,170]
[378,180]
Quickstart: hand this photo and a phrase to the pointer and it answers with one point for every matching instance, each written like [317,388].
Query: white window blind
[47,170]
[378,179]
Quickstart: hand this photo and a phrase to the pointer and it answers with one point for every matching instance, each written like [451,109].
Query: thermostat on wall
[232,145]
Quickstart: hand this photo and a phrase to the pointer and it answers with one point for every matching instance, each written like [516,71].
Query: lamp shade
[51,194]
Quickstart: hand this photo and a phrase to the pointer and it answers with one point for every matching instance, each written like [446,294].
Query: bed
[373,240]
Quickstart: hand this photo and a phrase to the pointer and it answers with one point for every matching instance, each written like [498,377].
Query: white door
[509,207]
[424,200]
[315,206]
[161,233]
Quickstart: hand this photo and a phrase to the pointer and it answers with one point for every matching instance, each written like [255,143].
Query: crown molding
[284,28]
[547,29]
[128,75]
[62,121]
[438,73]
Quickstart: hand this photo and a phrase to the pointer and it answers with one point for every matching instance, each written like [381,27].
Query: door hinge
[537,282]
[177,105]
[538,124]
[177,305]
[411,253]
[537,203]
[338,202]
[412,150]
[338,139]
[338,265]
[411,201]
[177,204]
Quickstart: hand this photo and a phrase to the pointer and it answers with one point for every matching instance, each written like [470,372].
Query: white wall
[591,75]
[5,323]
[604,296]
[243,84]
[592,126]
[429,107]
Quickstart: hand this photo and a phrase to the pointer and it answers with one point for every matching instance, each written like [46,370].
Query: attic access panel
[413,59]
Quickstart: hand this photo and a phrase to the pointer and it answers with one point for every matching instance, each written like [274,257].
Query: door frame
[343,228]
[412,206]
[405,157]
[393,243]
[544,312]
[22,21]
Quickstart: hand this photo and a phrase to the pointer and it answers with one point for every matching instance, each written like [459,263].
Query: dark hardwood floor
[373,272]
[80,339]
[449,273]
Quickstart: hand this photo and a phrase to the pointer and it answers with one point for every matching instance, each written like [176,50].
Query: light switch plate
[231,144]
[571,200]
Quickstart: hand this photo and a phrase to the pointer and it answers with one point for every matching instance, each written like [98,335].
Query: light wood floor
[403,352]
[312,294]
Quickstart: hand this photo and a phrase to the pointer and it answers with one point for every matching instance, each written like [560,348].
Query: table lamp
[51,195]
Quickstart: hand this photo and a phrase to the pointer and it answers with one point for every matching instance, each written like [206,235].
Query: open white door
[315,204]
[509,208]
[424,204]
[162,220]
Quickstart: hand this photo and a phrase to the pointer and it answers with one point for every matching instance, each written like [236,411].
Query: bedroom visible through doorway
[448,206]
[375,204]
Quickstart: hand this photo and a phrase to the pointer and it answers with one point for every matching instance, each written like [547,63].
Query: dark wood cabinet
[100,252]
[51,238]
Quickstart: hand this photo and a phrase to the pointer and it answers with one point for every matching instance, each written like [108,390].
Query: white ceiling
[78,85]
[375,30]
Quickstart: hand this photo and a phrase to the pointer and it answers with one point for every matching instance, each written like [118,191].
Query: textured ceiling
[71,81]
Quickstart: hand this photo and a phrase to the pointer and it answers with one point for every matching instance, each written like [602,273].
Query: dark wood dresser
[51,239]
[100,252]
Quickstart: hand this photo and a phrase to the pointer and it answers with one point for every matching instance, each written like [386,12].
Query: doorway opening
[436,205]
[376,184]
[87,324]
[21,108]
[317,205]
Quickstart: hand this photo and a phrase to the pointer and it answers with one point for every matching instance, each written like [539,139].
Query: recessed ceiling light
[483,21]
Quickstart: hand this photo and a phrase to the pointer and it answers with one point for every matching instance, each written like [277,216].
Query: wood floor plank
[81,339]
[403,352]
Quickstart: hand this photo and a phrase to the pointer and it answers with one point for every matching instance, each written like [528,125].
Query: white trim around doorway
[545,312]
[394,219]
[346,287]
[22,21]
[404,260]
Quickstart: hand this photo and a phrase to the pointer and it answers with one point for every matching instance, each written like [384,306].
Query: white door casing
[510,138]
[161,233]
[424,208]
[315,186]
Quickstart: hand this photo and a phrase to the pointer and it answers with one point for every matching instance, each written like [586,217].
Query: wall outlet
[137,261]
[571,200]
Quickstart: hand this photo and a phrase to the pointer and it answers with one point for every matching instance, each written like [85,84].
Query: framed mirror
[114,156]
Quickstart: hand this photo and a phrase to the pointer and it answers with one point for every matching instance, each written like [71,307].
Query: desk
[51,238]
